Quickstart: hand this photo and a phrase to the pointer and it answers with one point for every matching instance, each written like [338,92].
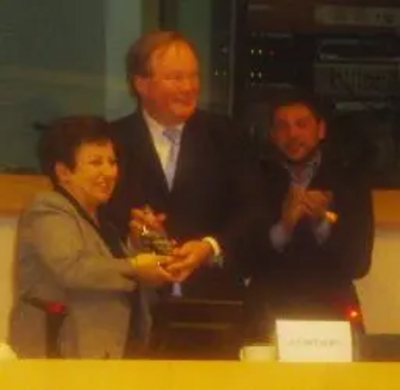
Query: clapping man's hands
[293,208]
[317,203]
[300,203]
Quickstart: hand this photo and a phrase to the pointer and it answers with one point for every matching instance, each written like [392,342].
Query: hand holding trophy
[153,236]
[148,234]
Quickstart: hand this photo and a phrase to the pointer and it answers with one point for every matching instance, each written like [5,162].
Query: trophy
[154,239]
[157,241]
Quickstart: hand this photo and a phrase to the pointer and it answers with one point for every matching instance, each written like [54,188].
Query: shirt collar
[307,172]
[156,128]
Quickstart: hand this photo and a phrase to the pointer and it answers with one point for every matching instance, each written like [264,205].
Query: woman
[73,276]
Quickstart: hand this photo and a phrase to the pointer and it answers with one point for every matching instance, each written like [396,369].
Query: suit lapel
[192,143]
[145,164]
[324,177]
[275,173]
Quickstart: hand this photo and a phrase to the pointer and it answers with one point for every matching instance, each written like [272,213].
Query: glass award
[155,241]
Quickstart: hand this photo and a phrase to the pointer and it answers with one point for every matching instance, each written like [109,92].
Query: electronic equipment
[357,67]
[343,67]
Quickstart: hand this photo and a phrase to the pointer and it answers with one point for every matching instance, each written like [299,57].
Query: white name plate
[314,341]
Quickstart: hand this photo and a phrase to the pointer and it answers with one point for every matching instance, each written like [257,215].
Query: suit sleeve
[245,191]
[57,239]
[351,241]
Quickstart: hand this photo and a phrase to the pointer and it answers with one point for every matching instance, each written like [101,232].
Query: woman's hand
[148,268]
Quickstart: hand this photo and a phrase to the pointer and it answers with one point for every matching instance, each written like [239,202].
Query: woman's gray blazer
[61,258]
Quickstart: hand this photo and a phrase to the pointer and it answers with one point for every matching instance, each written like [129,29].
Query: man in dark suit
[207,190]
[191,167]
[318,235]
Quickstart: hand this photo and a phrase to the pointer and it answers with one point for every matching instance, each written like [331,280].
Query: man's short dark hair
[61,139]
[293,96]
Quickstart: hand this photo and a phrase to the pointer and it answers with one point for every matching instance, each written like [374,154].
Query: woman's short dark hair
[62,138]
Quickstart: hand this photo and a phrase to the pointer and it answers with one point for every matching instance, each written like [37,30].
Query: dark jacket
[308,279]
[215,187]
